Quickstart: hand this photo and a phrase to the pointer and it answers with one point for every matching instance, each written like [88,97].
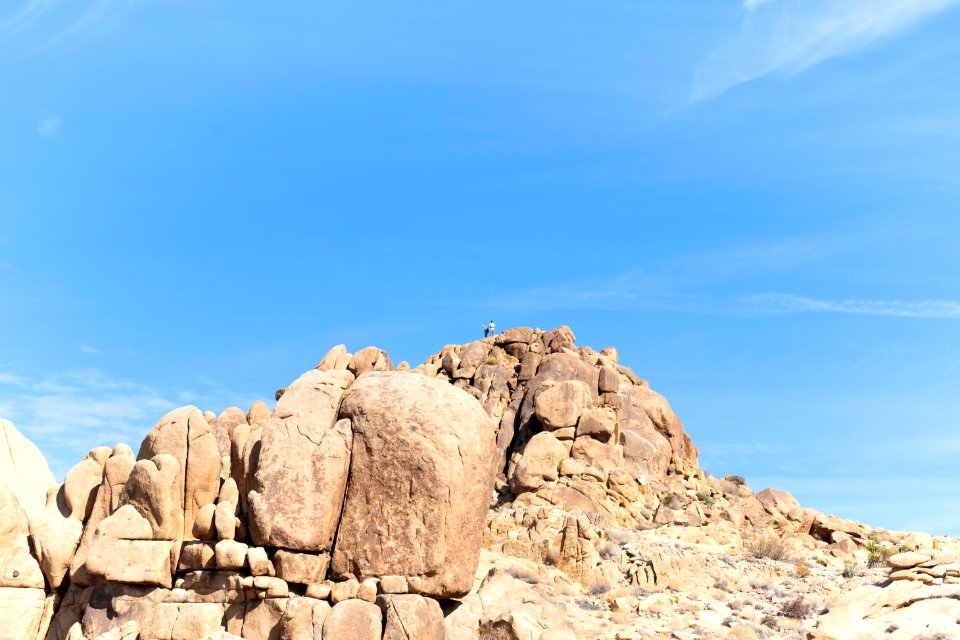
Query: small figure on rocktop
[489,329]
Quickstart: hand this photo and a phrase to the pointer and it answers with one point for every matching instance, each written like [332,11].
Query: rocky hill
[516,487]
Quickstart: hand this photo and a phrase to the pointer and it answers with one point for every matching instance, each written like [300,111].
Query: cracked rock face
[419,483]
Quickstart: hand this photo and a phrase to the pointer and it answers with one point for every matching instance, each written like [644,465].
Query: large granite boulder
[420,481]
[297,489]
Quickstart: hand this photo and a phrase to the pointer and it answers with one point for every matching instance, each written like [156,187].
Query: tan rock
[336,358]
[604,456]
[204,527]
[411,617]
[907,560]
[56,536]
[609,380]
[224,426]
[297,492]
[262,620]
[599,423]
[353,620]
[182,621]
[22,612]
[154,489]
[539,463]
[303,619]
[368,590]
[196,556]
[301,568]
[122,551]
[369,359]
[82,481]
[393,584]
[181,432]
[225,521]
[23,469]
[559,405]
[346,590]
[259,562]
[230,555]
[258,412]
[420,481]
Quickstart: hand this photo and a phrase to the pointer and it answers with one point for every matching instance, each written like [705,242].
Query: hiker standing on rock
[489,329]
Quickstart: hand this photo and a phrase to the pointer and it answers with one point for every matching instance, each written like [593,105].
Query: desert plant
[737,480]
[706,498]
[599,589]
[802,570]
[796,608]
[877,554]
[770,547]
[670,500]
[523,575]
[587,605]
[850,570]
[904,548]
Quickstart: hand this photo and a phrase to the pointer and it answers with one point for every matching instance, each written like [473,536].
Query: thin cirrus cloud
[42,24]
[789,36]
[49,127]
[626,293]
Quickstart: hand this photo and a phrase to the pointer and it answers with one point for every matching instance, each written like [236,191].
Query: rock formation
[514,487]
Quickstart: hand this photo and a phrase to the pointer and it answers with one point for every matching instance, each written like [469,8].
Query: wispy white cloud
[68,413]
[777,303]
[49,127]
[11,379]
[626,292]
[50,23]
[25,15]
[789,36]
[86,348]
[750,5]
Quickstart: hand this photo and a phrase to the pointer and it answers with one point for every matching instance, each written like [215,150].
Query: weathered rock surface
[297,490]
[23,468]
[419,483]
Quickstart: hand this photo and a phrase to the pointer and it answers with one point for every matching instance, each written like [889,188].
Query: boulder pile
[349,511]
[361,506]
[921,599]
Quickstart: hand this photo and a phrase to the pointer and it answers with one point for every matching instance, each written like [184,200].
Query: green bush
[877,553]
[737,480]
[706,498]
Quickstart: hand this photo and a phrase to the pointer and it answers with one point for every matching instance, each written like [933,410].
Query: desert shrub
[721,583]
[670,500]
[523,575]
[737,480]
[850,570]
[769,621]
[877,553]
[706,498]
[599,589]
[770,547]
[904,548]
[796,608]
[588,605]
[802,570]
[491,360]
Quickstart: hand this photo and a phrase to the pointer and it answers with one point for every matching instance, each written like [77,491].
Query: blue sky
[756,203]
